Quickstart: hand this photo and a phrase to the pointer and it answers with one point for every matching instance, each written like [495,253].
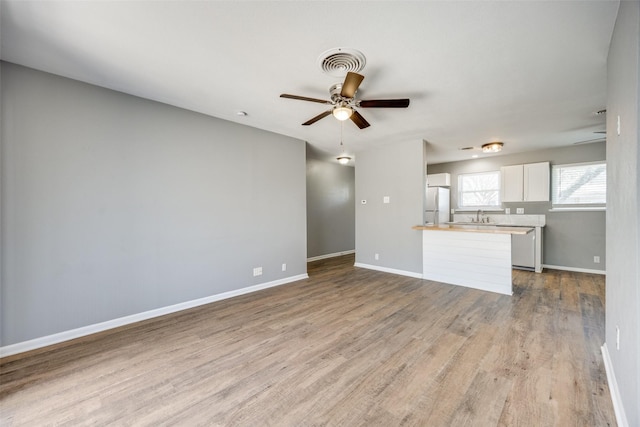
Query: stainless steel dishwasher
[523,250]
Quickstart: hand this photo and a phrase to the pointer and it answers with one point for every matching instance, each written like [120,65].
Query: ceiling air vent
[338,61]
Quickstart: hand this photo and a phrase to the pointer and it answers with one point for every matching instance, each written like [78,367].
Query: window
[479,190]
[579,185]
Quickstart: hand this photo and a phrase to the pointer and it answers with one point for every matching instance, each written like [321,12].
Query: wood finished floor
[347,347]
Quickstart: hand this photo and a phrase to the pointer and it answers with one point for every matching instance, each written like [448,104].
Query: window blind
[579,184]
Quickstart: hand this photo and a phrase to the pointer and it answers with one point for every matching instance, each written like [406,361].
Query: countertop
[492,229]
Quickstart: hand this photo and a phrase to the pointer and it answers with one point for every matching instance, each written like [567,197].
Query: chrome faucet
[478,215]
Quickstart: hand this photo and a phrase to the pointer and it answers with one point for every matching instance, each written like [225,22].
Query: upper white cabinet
[536,182]
[525,183]
[439,180]
[512,179]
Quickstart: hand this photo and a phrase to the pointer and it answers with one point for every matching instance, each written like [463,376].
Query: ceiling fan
[343,102]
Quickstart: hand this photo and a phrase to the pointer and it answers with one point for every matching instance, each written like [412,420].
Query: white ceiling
[529,73]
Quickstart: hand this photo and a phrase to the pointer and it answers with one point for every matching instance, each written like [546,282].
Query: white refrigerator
[437,206]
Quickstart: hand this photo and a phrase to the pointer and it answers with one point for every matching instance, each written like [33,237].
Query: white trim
[614,391]
[484,210]
[595,162]
[36,343]
[579,209]
[335,254]
[576,269]
[389,270]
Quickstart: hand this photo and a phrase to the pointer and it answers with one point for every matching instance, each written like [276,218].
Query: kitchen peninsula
[474,256]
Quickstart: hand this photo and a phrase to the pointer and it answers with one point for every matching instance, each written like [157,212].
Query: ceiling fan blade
[385,103]
[351,84]
[359,120]
[316,118]
[304,98]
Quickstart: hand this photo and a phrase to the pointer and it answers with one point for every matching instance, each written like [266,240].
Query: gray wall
[397,171]
[113,205]
[330,207]
[623,205]
[571,239]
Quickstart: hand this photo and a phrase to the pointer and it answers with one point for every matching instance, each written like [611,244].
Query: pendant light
[343,159]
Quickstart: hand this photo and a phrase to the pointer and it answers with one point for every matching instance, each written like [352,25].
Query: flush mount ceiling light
[492,147]
[342,113]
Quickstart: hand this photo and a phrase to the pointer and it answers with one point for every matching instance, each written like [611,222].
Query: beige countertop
[493,229]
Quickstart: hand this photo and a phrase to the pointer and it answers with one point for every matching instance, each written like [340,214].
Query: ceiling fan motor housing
[339,100]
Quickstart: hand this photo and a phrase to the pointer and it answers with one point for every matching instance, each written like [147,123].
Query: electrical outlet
[453,211]
[284,267]
[519,210]
[385,199]
[377,256]
[257,271]
[617,338]
[596,259]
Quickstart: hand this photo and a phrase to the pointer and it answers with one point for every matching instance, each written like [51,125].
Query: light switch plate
[507,211]
[519,210]
[385,199]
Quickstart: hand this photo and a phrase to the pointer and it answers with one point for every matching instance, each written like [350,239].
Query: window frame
[576,206]
[498,190]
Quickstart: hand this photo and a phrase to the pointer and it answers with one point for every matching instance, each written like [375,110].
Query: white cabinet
[512,179]
[525,183]
[536,182]
[439,180]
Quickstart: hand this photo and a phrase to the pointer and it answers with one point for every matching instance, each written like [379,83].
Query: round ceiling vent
[340,60]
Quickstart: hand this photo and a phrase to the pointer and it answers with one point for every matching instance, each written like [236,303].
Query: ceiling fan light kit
[344,103]
[492,147]
[342,113]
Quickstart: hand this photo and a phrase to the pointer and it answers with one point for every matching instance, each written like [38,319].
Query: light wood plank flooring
[347,347]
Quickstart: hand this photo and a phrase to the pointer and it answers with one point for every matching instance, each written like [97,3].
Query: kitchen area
[526,248]
[569,238]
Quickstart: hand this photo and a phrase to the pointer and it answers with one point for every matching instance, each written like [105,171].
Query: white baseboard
[335,254]
[576,269]
[36,343]
[621,417]
[389,270]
